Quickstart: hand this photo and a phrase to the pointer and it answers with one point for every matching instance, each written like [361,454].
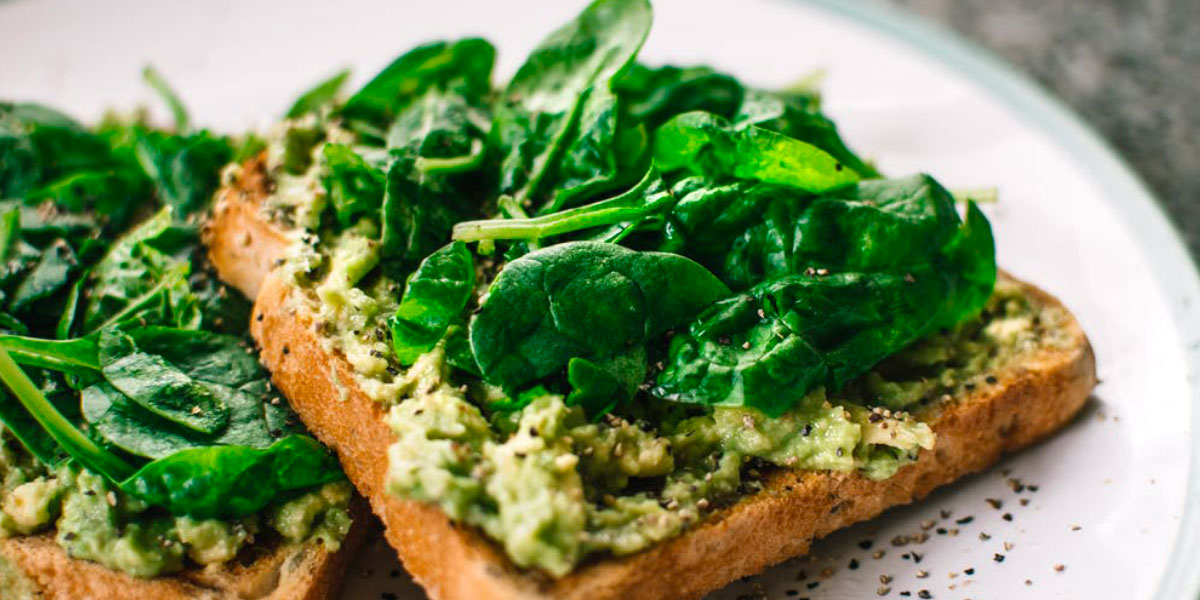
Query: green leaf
[797,116]
[599,386]
[159,387]
[558,115]
[155,80]
[50,275]
[185,169]
[355,187]
[219,363]
[232,481]
[142,278]
[582,300]
[463,67]
[321,94]
[434,297]
[847,280]
[80,356]
[707,144]
[653,95]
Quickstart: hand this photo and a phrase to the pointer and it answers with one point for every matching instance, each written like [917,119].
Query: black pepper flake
[69,536]
[998,557]
[394,574]
[994,503]
[792,592]
[287,350]
[969,571]
[388,596]
[837,167]
[906,593]
[991,379]
[1032,488]
[853,564]
[924,594]
[259,318]
[941,530]
[1007,517]
[917,556]
[906,556]
[812,585]
[866,544]
[807,429]
[965,520]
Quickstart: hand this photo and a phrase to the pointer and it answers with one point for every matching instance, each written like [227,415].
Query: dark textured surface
[1130,67]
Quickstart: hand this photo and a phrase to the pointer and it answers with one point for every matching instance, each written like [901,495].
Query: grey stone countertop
[1131,68]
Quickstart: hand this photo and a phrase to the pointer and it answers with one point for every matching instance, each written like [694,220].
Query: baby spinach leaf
[707,144]
[159,387]
[653,95]
[185,169]
[599,386]
[418,213]
[464,67]
[434,297]
[219,363]
[142,277]
[582,300]
[558,115]
[355,187]
[797,116]
[183,121]
[322,94]
[443,129]
[232,481]
[50,275]
[866,275]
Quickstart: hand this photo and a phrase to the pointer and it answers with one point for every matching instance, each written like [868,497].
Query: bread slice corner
[1029,400]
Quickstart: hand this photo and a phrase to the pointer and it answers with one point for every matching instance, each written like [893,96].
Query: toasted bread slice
[1027,401]
[37,567]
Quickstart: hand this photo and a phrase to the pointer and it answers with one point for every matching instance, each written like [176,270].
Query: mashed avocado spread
[553,487]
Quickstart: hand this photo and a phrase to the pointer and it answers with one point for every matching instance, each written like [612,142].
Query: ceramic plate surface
[1102,511]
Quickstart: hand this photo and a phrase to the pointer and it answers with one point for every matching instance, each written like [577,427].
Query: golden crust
[276,572]
[1029,401]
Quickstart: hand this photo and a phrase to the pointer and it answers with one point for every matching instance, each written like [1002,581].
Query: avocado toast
[623,331]
[143,452]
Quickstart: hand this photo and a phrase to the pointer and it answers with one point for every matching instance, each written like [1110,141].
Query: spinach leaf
[50,275]
[797,116]
[556,125]
[143,277]
[599,386]
[160,387]
[322,94]
[653,95]
[434,297]
[582,300]
[185,169]
[232,481]
[436,145]
[355,187]
[707,144]
[865,278]
[463,67]
[183,121]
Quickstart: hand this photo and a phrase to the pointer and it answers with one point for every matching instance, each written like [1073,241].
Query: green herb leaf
[355,187]
[322,94]
[582,300]
[232,481]
[707,144]
[464,67]
[160,387]
[434,297]
[558,116]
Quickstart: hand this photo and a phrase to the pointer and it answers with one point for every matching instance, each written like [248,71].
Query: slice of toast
[36,566]
[1028,400]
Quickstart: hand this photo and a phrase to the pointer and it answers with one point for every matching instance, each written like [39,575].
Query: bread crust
[1028,401]
[261,572]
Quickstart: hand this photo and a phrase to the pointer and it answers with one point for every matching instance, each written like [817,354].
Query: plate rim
[1171,263]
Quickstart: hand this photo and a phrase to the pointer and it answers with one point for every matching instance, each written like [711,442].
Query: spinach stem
[71,439]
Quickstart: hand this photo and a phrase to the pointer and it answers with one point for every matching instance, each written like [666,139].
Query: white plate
[1112,490]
